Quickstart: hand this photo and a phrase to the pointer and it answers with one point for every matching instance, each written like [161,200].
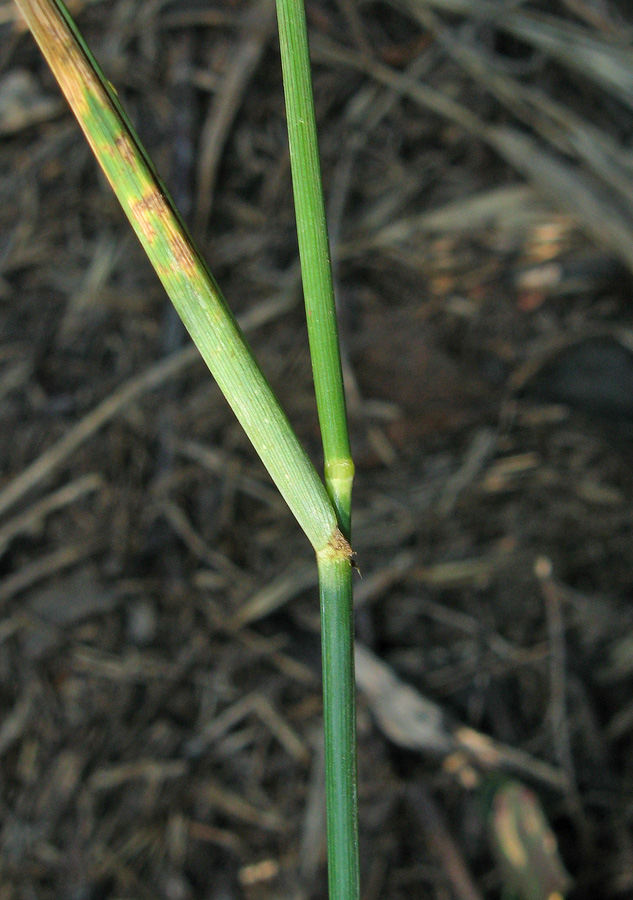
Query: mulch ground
[160,731]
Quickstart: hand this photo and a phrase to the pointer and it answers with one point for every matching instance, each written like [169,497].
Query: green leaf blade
[181,269]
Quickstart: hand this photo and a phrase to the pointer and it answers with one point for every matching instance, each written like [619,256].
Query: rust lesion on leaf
[154,213]
[147,210]
[153,203]
[126,148]
[182,252]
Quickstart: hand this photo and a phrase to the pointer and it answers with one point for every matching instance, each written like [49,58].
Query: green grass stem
[181,269]
[339,713]
[335,576]
[314,251]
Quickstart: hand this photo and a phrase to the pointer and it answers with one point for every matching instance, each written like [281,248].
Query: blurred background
[159,634]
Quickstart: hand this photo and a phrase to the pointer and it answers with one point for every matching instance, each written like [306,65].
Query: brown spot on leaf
[126,148]
[152,205]
[183,253]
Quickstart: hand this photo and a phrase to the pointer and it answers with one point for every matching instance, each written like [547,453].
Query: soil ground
[159,632]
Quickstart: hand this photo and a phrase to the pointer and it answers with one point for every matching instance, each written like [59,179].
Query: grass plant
[324,512]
